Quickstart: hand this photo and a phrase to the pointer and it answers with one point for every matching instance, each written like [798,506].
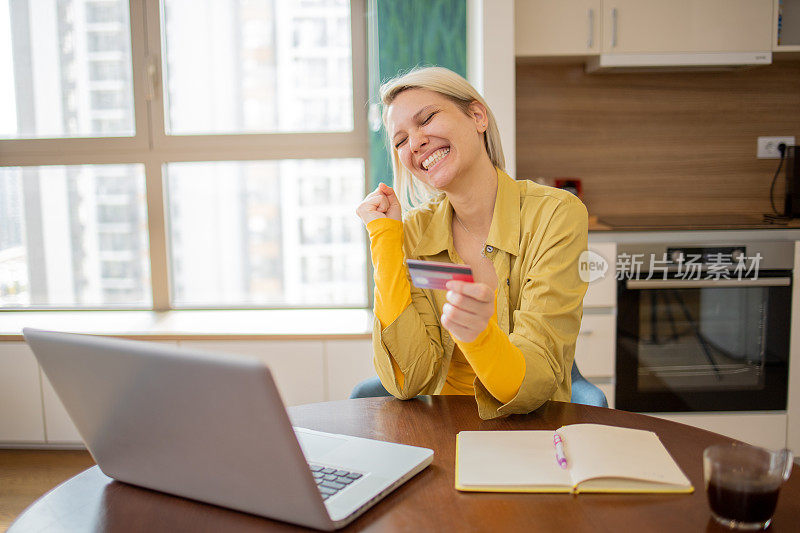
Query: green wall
[411,33]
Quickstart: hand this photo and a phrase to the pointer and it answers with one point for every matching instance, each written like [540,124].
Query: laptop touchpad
[315,445]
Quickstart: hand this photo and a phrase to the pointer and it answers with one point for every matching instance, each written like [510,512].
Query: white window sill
[196,324]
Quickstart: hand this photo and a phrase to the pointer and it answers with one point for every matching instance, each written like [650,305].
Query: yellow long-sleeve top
[524,356]
[499,363]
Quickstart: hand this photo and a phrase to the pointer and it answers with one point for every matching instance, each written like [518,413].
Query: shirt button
[489,249]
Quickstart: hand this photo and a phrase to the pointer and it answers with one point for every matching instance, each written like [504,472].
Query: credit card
[434,275]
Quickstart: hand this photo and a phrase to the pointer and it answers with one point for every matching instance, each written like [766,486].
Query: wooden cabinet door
[675,26]
[556,27]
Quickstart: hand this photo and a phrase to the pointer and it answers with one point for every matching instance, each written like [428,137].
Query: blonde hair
[410,191]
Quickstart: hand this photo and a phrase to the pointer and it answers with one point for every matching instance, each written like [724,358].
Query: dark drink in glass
[743,504]
[742,483]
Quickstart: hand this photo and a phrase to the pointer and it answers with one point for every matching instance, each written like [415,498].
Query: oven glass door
[703,345]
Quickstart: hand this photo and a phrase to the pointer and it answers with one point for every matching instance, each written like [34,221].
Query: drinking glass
[742,483]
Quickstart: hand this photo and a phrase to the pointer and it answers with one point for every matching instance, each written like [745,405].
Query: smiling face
[434,138]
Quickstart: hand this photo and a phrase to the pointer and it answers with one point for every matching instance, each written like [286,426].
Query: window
[106,70]
[106,41]
[107,100]
[309,32]
[52,57]
[227,178]
[240,233]
[103,11]
[283,65]
[110,241]
[56,239]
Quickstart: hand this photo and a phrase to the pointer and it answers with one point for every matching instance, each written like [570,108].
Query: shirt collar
[437,236]
[503,233]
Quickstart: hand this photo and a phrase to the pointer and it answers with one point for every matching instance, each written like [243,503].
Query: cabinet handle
[591,29]
[614,28]
[585,332]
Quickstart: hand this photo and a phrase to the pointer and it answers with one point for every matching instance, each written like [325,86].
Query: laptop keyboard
[330,480]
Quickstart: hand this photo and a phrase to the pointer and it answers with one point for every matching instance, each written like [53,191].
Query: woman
[509,337]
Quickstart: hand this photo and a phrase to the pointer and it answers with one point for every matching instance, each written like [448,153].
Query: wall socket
[768,146]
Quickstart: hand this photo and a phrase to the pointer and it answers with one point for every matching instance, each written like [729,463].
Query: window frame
[153,148]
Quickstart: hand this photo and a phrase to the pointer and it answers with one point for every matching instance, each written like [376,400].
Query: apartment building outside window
[182,153]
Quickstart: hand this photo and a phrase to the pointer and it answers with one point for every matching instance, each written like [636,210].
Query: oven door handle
[705,283]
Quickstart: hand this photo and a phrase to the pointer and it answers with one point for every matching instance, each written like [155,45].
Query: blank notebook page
[510,458]
[614,452]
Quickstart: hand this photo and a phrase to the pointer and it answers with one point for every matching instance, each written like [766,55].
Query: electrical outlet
[768,146]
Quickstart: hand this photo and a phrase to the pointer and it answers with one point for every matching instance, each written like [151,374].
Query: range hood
[666,62]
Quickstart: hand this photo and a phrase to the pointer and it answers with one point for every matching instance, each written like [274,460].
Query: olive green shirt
[535,240]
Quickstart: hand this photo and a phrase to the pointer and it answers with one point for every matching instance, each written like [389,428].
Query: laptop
[213,428]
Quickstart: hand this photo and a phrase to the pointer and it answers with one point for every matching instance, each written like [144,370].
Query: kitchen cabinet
[793,401]
[603,291]
[656,26]
[556,28]
[58,425]
[760,429]
[608,390]
[772,429]
[596,345]
[347,363]
[20,395]
[595,349]
[297,366]
[305,371]
[786,26]
[563,28]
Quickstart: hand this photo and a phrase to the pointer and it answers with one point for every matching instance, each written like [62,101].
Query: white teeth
[435,157]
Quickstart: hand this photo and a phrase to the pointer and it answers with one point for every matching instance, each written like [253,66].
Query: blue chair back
[584,392]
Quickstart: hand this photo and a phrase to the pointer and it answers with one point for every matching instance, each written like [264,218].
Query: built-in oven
[703,328]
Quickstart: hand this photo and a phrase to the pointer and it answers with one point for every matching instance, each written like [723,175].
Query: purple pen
[560,457]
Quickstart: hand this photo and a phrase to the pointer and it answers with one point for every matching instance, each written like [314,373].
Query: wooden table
[93,502]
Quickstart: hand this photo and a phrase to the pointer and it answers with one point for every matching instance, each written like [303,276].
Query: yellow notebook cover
[599,458]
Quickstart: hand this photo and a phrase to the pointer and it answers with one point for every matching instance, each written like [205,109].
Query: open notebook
[599,458]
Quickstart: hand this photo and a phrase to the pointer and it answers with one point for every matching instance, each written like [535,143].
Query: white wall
[491,66]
